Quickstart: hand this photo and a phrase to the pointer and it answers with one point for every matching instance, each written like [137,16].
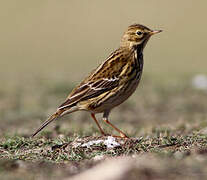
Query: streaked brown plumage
[112,82]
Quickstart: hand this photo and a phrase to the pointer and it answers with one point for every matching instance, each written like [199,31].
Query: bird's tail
[57,114]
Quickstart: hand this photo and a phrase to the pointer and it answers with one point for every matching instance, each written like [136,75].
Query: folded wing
[89,90]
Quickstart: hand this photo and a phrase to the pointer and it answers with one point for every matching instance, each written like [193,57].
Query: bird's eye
[139,33]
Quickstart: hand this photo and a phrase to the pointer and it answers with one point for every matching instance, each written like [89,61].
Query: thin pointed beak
[155,32]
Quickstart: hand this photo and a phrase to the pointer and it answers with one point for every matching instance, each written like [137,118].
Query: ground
[166,125]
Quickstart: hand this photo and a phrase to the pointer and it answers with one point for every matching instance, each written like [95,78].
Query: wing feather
[90,90]
[101,80]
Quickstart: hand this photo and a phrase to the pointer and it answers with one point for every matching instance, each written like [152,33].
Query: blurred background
[47,47]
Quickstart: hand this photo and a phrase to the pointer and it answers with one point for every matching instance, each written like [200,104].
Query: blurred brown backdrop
[48,46]
[69,38]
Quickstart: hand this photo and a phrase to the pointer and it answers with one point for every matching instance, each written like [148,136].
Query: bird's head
[136,35]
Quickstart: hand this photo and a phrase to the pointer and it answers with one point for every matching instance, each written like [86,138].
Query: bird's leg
[100,129]
[122,135]
[105,118]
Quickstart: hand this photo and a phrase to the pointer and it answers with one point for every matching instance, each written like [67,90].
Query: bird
[111,83]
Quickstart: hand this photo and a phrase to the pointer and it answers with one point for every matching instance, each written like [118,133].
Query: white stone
[200,81]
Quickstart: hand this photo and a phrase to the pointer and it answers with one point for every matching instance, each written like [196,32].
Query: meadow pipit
[112,82]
